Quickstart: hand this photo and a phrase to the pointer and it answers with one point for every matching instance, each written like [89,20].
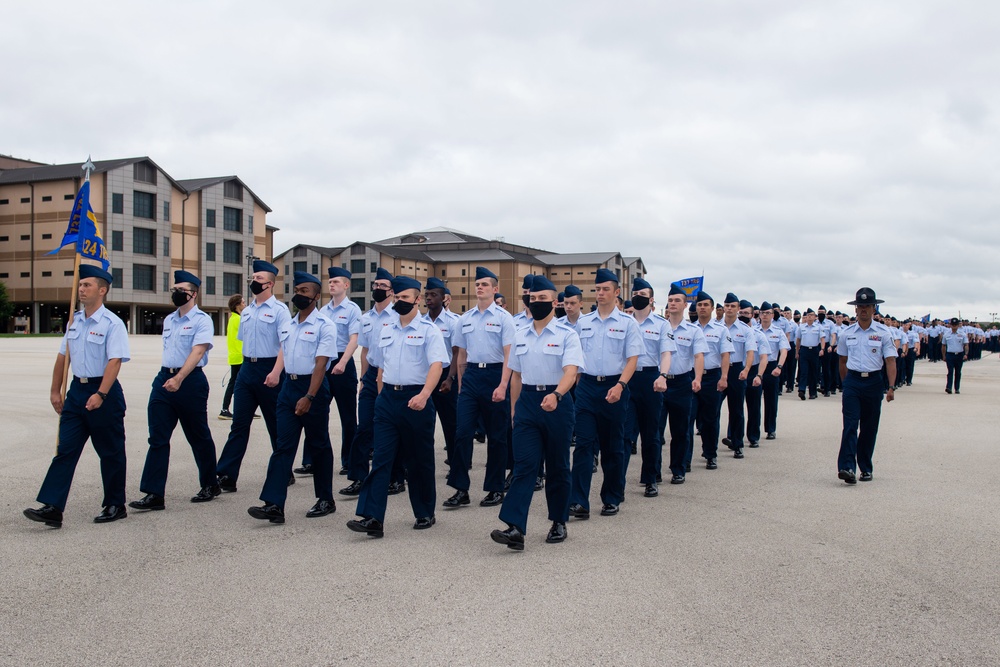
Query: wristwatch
[310,397]
[559,396]
[779,367]
[103,396]
[664,376]
[623,384]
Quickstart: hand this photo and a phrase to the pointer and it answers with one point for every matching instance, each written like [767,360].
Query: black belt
[865,374]
[648,369]
[172,371]
[540,388]
[712,370]
[88,380]
[498,364]
[259,360]
[298,376]
[404,387]
[603,379]
[809,347]
[736,364]
[689,374]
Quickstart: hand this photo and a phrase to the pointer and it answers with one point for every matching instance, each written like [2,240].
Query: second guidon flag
[83,232]
[691,286]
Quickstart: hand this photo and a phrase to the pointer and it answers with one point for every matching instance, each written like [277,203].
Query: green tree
[6,306]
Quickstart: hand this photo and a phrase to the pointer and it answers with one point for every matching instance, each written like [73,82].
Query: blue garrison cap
[692,308]
[187,277]
[675,289]
[400,283]
[560,296]
[593,307]
[745,304]
[605,276]
[434,283]
[541,284]
[528,280]
[703,296]
[483,272]
[731,298]
[776,306]
[91,271]
[447,291]
[382,274]
[301,277]
[572,290]
[337,272]
[765,305]
[261,265]
[627,304]
[810,311]
[639,283]
[498,295]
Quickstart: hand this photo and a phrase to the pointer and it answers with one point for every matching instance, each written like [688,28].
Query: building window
[233,190]
[4,202]
[232,219]
[357,250]
[4,238]
[117,202]
[286,288]
[46,274]
[144,241]
[166,281]
[7,275]
[250,224]
[444,273]
[286,270]
[46,198]
[210,285]
[144,205]
[359,300]
[166,246]
[300,251]
[25,200]
[69,197]
[358,285]
[209,252]
[70,272]
[144,172]
[315,270]
[232,252]
[463,272]
[25,237]
[117,240]
[232,283]
[358,266]
[299,266]
[210,217]
[463,290]
[142,277]
[25,274]
[116,277]
[374,267]
[166,211]
[46,236]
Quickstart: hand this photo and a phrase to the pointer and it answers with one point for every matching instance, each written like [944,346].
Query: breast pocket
[413,349]
[587,338]
[168,334]
[97,333]
[73,332]
[615,341]
[307,342]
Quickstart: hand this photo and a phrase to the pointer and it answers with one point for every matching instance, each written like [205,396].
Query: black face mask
[560,312]
[798,319]
[822,316]
[257,287]
[301,301]
[380,295]
[526,300]
[180,298]
[693,316]
[540,309]
[640,302]
[743,318]
[403,307]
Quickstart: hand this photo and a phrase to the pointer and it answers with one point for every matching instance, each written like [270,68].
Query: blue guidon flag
[83,231]
[691,286]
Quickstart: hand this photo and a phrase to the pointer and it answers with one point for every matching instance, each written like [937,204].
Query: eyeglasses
[178,290]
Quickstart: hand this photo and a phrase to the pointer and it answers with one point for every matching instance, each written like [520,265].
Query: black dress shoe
[492,499]
[557,533]
[754,444]
[728,443]
[352,490]
[651,491]
[424,522]
[46,514]
[608,509]
[507,480]
[512,537]
[148,502]
[826,394]
[712,464]
[677,479]
[479,437]
[227,484]
[539,483]
[947,391]
[578,511]
[865,477]
[321,508]
[635,449]
[369,526]
[812,397]
[802,395]
[770,436]
[957,392]
[269,512]
[738,453]
[342,471]
[396,487]
[659,478]
[306,469]
[291,479]
[847,476]
[207,493]
[111,513]
[460,498]
[687,468]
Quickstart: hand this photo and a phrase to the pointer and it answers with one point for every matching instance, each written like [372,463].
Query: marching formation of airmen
[618,381]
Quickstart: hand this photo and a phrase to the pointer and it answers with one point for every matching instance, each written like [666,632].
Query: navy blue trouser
[446,406]
[364,436]
[753,395]
[316,423]
[676,414]
[405,435]
[705,410]
[788,370]
[955,362]
[250,393]
[105,427]
[771,386]
[734,396]
[808,369]
[911,361]
[189,406]
[344,388]
[646,405]
[539,436]
[862,408]
[600,427]
[475,400]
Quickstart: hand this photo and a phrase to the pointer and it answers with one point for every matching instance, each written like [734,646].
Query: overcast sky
[792,151]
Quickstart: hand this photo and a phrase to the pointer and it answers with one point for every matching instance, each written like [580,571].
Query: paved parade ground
[770,560]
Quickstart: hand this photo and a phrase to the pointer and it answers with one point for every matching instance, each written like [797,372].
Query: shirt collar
[100,312]
[310,318]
